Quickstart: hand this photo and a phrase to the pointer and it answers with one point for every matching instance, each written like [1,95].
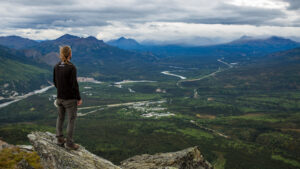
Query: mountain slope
[94,57]
[17,74]
[276,72]
[16,42]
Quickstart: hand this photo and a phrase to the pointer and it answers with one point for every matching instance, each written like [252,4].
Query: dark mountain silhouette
[16,42]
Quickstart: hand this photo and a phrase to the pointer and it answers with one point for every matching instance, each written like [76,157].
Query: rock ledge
[55,157]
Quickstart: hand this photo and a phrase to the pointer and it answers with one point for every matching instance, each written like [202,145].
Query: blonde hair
[65,52]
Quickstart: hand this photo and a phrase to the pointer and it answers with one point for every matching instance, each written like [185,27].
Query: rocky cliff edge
[55,157]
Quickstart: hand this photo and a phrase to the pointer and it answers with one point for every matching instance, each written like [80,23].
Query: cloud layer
[160,20]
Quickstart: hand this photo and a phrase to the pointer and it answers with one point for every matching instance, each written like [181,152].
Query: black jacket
[65,80]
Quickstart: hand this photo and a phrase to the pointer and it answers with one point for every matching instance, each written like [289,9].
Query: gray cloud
[293,4]
[48,14]
[249,15]
[39,2]
[90,17]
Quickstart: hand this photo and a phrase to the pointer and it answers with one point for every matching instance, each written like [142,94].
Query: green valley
[236,118]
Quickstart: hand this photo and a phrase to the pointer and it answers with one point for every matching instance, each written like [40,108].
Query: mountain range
[123,58]
[241,48]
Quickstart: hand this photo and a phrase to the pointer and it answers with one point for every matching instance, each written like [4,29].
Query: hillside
[256,102]
[18,74]
[277,71]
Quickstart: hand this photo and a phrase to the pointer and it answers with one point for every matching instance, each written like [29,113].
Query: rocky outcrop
[55,157]
[189,158]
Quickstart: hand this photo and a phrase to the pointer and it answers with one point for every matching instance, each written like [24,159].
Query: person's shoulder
[56,64]
[72,65]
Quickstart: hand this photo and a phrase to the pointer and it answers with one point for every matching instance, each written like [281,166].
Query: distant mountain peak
[124,43]
[245,37]
[92,38]
[277,38]
[67,37]
[122,38]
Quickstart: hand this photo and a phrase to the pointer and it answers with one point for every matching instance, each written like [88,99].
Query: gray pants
[69,107]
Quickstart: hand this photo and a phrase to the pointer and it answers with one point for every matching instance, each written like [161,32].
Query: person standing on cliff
[68,97]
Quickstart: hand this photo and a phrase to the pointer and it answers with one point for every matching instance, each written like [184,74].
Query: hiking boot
[60,141]
[72,146]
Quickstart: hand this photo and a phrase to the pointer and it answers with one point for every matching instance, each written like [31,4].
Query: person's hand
[79,102]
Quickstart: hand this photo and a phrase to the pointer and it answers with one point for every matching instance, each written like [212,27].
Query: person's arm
[75,84]
[54,77]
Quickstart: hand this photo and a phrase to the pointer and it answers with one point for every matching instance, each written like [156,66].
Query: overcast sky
[189,21]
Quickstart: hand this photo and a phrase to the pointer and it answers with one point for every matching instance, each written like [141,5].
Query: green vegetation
[19,71]
[220,162]
[17,133]
[247,116]
[10,157]
[288,161]
[196,133]
[20,75]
